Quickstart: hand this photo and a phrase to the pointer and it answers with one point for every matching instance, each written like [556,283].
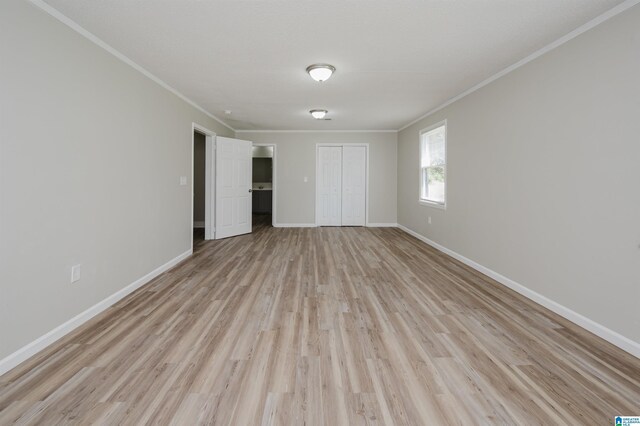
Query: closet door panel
[354,181]
[329,175]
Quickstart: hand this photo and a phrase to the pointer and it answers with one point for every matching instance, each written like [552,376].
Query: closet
[341,193]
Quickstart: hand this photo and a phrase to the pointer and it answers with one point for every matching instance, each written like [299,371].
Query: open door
[209,186]
[233,187]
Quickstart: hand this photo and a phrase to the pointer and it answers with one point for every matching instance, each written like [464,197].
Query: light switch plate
[75,273]
[183,180]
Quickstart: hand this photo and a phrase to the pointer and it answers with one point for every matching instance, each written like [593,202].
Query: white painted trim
[382,225]
[318,131]
[52,336]
[198,224]
[274,185]
[600,330]
[433,204]
[193,173]
[88,35]
[562,40]
[294,225]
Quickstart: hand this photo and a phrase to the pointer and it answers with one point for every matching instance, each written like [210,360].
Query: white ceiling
[395,59]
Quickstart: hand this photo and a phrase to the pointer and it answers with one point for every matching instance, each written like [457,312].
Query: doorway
[264,185]
[199,184]
[342,184]
[202,184]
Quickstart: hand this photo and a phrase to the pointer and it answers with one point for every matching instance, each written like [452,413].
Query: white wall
[90,157]
[544,175]
[296,158]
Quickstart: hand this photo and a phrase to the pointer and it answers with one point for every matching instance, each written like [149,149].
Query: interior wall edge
[67,327]
[613,337]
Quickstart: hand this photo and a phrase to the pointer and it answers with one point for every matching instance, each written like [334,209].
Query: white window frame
[421,200]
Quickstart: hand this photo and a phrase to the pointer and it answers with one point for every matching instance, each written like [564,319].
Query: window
[433,164]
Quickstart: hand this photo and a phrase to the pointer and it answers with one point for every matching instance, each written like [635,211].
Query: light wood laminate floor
[323,326]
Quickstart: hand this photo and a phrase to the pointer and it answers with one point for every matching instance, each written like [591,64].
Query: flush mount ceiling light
[320,72]
[318,114]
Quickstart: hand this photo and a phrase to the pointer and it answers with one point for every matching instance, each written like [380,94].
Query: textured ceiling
[395,59]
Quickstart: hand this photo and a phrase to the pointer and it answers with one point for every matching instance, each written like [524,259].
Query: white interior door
[233,187]
[329,178]
[209,193]
[354,181]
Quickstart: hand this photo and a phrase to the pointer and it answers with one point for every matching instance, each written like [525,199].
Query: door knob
[250,190]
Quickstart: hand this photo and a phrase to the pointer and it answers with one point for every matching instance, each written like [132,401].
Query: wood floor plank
[323,326]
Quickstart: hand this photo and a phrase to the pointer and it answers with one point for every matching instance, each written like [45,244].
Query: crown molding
[627,4]
[95,39]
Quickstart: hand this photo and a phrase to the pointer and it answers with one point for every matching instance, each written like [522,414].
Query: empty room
[320,213]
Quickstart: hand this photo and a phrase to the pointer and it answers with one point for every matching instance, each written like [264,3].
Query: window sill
[433,204]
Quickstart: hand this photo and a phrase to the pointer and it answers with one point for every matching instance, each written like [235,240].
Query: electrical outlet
[429,220]
[306,179]
[75,273]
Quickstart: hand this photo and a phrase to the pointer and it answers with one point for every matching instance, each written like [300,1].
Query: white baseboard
[599,330]
[313,225]
[198,224]
[294,225]
[42,342]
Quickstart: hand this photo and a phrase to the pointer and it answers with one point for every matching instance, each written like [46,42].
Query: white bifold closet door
[341,175]
[329,177]
[354,181]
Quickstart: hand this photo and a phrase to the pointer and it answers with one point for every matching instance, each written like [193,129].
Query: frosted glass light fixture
[320,72]
[318,114]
